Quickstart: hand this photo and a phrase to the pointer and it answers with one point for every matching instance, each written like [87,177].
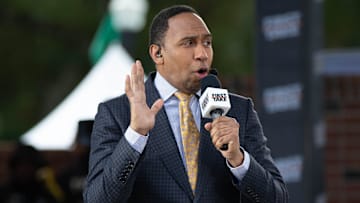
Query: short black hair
[160,24]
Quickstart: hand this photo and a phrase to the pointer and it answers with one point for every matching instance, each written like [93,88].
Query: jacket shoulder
[236,99]
[116,101]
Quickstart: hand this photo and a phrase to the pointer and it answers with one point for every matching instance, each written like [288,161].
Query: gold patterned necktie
[190,137]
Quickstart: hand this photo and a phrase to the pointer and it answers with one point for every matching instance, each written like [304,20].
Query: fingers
[137,76]
[224,130]
[208,126]
[128,90]
[134,84]
[220,141]
[157,105]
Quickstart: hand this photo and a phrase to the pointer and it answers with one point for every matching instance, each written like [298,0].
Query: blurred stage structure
[289,34]
[112,62]
[105,80]
[340,70]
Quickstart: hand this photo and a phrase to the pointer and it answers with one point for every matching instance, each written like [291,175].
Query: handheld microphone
[214,101]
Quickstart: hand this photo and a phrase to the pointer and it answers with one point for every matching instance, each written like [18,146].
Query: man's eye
[207,43]
[188,43]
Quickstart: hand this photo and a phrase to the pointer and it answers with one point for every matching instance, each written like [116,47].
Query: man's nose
[201,53]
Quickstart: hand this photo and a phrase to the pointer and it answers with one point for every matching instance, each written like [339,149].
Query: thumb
[157,105]
[230,144]
[207,126]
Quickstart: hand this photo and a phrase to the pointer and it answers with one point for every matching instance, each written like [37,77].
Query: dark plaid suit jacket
[118,173]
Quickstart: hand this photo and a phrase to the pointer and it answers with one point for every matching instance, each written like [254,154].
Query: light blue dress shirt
[171,105]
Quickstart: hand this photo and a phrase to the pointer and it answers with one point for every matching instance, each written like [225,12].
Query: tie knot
[183,96]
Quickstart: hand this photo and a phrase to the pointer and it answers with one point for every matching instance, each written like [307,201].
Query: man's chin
[195,87]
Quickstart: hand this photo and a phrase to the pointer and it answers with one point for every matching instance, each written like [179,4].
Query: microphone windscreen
[210,81]
[213,71]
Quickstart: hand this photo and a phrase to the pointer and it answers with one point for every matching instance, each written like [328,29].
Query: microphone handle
[215,114]
[224,147]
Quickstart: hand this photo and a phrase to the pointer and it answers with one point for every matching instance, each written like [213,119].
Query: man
[138,152]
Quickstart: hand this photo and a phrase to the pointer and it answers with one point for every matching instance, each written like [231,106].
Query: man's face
[187,52]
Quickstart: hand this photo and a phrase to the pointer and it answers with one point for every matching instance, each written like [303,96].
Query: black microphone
[214,101]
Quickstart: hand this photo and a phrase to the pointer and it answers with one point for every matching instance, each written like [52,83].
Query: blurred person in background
[31,180]
[72,178]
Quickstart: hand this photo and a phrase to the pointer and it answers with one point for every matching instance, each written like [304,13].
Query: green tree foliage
[341,26]
[43,55]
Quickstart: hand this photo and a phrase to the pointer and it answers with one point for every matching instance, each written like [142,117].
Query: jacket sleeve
[112,160]
[263,181]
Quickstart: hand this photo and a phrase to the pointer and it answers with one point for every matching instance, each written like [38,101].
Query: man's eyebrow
[208,35]
[196,36]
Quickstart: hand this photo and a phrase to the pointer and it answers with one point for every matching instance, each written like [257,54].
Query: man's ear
[155,54]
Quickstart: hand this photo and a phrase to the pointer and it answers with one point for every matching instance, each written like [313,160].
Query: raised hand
[142,117]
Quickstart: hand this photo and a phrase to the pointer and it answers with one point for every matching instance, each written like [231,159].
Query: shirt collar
[166,90]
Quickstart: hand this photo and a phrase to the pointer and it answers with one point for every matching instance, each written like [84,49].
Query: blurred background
[47,48]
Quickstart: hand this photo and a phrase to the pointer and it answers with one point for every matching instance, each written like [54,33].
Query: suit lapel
[164,144]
